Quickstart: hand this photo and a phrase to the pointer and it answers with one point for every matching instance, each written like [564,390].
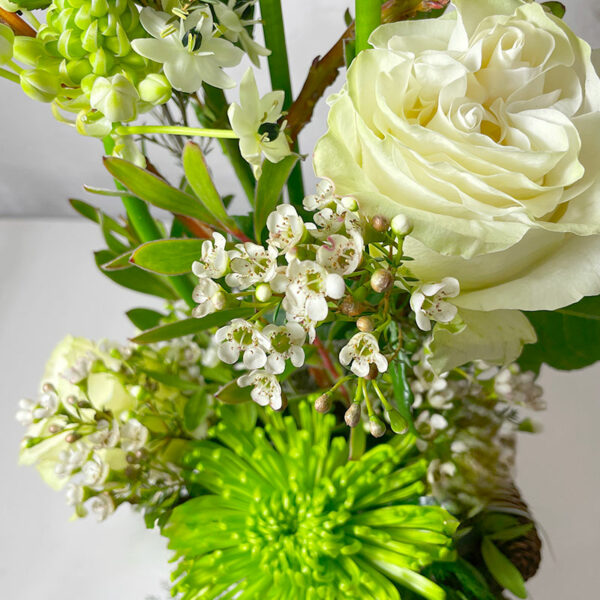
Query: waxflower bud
[40,85]
[380,223]
[397,422]
[401,225]
[352,415]
[263,292]
[323,403]
[349,306]
[115,97]
[382,280]
[376,426]
[365,324]
[27,50]
[7,38]
[155,89]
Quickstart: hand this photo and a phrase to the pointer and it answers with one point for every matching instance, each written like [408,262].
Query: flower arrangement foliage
[328,403]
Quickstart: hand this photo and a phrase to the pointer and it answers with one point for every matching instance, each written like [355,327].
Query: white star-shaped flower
[429,305]
[190,54]
[362,351]
[286,341]
[266,391]
[324,197]
[340,254]
[242,336]
[255,121]
[133,435]
[251,263]
[234,28]
[214,259]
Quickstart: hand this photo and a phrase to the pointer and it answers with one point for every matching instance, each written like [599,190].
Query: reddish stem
[17,24]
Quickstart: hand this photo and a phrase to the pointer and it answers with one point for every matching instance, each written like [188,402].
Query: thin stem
[176,130]
[31,18]
[18,25]
[6,74]
[14,66]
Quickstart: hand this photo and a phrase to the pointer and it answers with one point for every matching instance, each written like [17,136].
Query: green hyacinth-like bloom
[286,515]
[83,63]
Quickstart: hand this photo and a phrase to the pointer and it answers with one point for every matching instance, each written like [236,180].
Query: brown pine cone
[524,552]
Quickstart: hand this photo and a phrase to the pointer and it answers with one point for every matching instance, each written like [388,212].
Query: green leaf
[168,257]
[156,191]
[200,181]
[96,215]
[403,395]
[232,393]
[568,338]
[112,242]
[195,411]
[105,192]
[134,278]
[558,9]
[121,262]
[190,326]
[512,533]
[502,569]
[368,18]
[144,318]
[268,190]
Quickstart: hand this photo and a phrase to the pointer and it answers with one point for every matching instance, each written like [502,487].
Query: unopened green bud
[27,50]
[7,38]
[376,426]
[69,44]
[89,39]
[397,421]
[99,8]
[156,89]
[127,149]
[401,225]
[118,43]
[76,70]
[263,292]
[102,62]
[83,17]
[40,85]
[93,123]
[115,97]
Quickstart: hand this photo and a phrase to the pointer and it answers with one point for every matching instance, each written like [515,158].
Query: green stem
[368,18]
[6,74]
[176,130]
[272,17]
[145,226]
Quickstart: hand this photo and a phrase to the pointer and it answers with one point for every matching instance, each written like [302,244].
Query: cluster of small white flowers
[429,304]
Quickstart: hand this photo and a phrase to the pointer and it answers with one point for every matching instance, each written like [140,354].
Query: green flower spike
[286,515]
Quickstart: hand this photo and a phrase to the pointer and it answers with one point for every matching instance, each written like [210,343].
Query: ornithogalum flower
[285,514]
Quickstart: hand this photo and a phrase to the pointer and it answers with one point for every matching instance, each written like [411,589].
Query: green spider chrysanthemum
[288,516]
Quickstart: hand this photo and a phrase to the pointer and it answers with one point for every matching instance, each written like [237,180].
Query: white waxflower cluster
[299,275]
[93,429]
[193,48]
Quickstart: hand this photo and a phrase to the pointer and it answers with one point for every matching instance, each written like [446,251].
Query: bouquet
[327,405]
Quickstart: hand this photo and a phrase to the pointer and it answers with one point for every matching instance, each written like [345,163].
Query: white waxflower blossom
[255,121]
[428,386]
[133,435]
[214,259]
[250,264]
[71,459]
[515,387]
[234,28]
[160,478]
[74,494]
[310,285]
[79,369]
[325,196]
[330,221]
[105,436]
[95,471]
[429,305]
[102,506]
[209,296]
[285,227]
[362,351]
[25,413]
[31,410]
[242,336]
[428,424]
[266,391]
[190,54]
[286,341]
[340,254]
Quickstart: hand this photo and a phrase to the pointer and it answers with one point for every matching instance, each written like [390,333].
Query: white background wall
[49,287]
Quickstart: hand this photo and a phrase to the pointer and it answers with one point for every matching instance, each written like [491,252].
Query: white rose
[482,127]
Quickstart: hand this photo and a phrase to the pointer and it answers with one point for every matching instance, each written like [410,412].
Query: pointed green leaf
[134,278]
[269,189]
[195,411]
[144,318]
[502,569]
[232,393]
[105,192]
[512,533]
[156,191]
[196,172]
[403,395]
[95,215]
[558,9]
[118,263]
[190,326]
[169,257]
